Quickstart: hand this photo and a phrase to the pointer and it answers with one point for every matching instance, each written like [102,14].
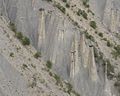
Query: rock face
[20,73]
[108,12]
[59,41]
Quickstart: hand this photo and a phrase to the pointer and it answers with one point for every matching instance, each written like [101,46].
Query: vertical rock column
[92,65]
[113,20]
[74,68]
[41,28]
[83,51]
[118,20]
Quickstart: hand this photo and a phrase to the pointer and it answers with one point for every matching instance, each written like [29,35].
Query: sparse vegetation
[67,5]
[85,3]
[105,62]
[49,64]
[69,86]
[33,66]
[61,8]
[83,13]
[109,44]
[100,34]
[41,9]
[37,55]
[117,82]
[105,39]
[25,41]
[19,35]
[64,1]
[89,36]
[11,54]
[116,52]
[49,0]
[93,24]
[110,69]
[57,78]
[12,27]
[34,81]
[89,11]
[24,66]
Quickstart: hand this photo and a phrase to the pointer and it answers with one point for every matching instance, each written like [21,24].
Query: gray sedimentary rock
[59,41]
[108,12]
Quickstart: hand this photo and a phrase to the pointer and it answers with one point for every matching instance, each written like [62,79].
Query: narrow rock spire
[92,65]
[83,51]
[41,28]
[74,67]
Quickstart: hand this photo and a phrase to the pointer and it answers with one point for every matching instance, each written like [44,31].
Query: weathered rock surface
[61,42]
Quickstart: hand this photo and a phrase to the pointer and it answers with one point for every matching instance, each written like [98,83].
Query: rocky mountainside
[59,48]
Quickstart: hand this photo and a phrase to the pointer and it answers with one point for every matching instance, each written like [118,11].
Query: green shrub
[37,55]
[24,66]
[83,13]
[117,84]
[67,5]
[100,34]
[25,41]
[57,78]
[89,11]
[49,64]
[110,69]
[96,32]
[76,24]
[93,24]
[64,1]
[116,52]
[49,0]
[12,27]
[11,54]
[70,88]
[105,39]
[109,44]
[76,94]
[79,12]
[89,36]
[85,3]
[19,35]
[61,8]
